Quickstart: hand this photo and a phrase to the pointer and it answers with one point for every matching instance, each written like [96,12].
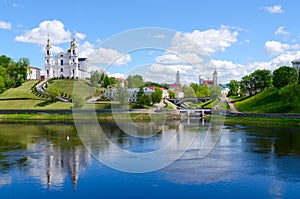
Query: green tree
[283,76]
[261,79]
[171,94]
[95,77]
[121,95]
[233,88]
[135,81]
[188,92]
[290,94]
[142,98]
[157,95]
[215,92]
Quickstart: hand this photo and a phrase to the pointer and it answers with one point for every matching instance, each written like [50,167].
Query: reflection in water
[53,155]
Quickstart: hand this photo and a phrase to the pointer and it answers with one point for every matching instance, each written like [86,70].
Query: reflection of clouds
[5,179]
[217,166]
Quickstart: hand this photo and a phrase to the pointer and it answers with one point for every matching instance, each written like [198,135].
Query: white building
[67,65]
[110,93]
[33,73]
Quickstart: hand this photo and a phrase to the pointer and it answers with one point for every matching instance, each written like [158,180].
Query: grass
[211,104]
[268,101]
[68,86]
[21,98]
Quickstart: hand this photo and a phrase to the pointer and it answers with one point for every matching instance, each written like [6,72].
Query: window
[61,55]
[61,62]
[73,52]
[47,61]
[61,70]
[48,52]
[47,72]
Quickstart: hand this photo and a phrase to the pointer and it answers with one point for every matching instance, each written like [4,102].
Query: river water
[41,160]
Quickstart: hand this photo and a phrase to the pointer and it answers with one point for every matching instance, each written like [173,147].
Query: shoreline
[63,116]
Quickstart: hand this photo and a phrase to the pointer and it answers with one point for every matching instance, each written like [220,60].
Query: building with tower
[296,65]
[215,77]
[177,78]
[65,65]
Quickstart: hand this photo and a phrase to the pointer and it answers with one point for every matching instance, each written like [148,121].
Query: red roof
[32,67]
[121,79]
[208,82]
[174,85]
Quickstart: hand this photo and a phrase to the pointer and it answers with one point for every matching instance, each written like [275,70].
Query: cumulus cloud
[281,31]
[273,9]
[79,36]
[55,29]
[85,49]
[105,56]
[5,25]
[276,47]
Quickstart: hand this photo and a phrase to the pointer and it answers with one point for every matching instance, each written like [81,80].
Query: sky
[159,37]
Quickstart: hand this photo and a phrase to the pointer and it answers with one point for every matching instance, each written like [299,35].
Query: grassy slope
[22,98]
[67,86]
[268,101]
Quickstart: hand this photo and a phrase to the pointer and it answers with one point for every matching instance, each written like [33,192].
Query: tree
[78,101]
[290,94]
[157,95]
[121,95]
[215,92]
[200,90]
[171,94]
[284,76]
[233,88]
[142,98]
[135,81]
[261,79]
[95,77]
[188,92]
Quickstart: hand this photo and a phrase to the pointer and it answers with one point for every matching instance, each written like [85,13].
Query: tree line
[261,80]
[12,73]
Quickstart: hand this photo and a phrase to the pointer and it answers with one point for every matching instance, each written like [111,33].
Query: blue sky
[238,36]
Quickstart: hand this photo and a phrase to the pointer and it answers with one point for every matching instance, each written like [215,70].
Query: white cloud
[85,49]
[57,49]
[55,29]
[281,31]
[5,25]
[276,47]
[79,36]
[105,56]
[273,9]
[186,58]
[205,42]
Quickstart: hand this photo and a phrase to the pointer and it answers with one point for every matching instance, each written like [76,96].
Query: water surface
[50,161]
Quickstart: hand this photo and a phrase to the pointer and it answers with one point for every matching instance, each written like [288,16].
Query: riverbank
[139,117]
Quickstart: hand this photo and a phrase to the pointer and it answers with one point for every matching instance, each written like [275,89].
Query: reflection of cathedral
[52,166]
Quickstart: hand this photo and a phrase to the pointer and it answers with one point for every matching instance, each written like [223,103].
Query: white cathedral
[66,65]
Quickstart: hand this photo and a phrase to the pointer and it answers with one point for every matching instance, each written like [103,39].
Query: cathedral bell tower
[48,60]
[74,59]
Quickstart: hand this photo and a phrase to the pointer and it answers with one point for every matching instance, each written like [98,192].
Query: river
[178,160]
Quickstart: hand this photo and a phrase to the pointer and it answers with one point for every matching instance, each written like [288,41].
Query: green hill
[22,98]
[268,101]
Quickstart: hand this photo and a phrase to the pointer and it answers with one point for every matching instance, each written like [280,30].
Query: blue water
[49,161]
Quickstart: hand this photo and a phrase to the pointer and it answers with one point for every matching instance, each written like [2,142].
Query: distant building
[33,73]
[111,93]
[296,65]
[177,78]
[174,86]
[209,82]
[67,65]
[215,77]
[122,82]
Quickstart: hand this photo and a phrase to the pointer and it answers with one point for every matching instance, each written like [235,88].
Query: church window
[73,52]
[61,70]
[47,72]
[61,62]
[61,55]
[47,61]
[48,52]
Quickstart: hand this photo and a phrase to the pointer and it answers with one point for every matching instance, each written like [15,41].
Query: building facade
[296,65]
[33,73]
[67,65]
[133,92]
